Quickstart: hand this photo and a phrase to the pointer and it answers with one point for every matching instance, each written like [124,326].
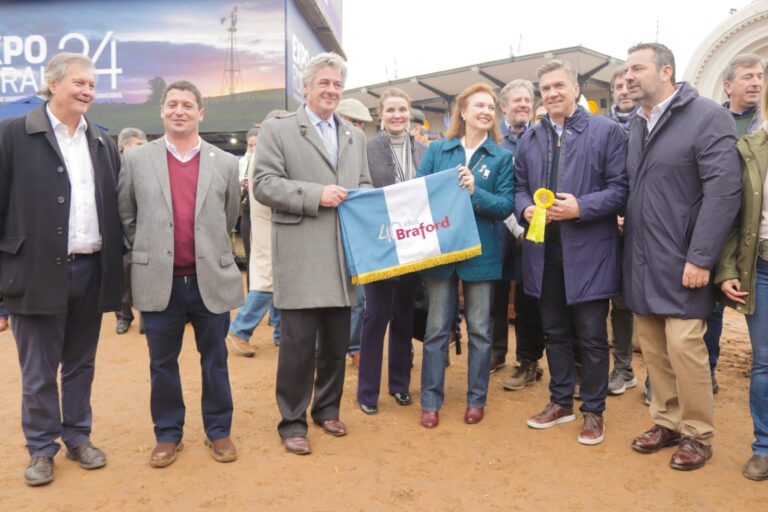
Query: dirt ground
[388,462]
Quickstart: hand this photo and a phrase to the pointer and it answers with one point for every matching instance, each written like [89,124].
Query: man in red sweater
[179,199]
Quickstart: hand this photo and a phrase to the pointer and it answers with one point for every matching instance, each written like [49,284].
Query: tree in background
[157,87]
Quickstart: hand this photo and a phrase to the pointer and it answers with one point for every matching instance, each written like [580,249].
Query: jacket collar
[685,94]
[510,135]
[489,146]
[343,130]
[755,141]
[738,115]
[577,121]
[755,144]
[37,122]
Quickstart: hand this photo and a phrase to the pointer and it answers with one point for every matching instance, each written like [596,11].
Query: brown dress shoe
[429,419]
[474,415]
[593,431]
[756,468]
[297,445]
[691,454]
[334,427]
[655,439]
[551,416]
[497,363]
[222,450]
[3,323]
[165,454]
[356,360]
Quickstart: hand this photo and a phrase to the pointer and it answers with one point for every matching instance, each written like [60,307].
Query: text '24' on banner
[408,226]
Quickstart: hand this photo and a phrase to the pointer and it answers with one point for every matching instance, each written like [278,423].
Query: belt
[75,256]
[762,249]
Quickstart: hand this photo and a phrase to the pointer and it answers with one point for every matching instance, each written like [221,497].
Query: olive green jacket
[739,256]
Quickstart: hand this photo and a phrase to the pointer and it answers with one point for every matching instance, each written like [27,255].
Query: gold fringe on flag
[406,268]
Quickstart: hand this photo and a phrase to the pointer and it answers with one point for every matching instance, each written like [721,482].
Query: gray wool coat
[291,169]
[684,194]
[144,197]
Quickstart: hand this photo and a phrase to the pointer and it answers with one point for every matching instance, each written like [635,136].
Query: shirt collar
[738,115]
[315,119]
[55,123]
[175,152]
[658,109]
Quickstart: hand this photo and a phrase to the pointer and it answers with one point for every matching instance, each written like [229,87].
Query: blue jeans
[758,384]
[443,304]
[165,333]
[251,314]
[712,336]
[356,321]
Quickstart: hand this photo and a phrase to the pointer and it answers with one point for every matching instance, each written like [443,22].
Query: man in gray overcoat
[305,163]
[684,193]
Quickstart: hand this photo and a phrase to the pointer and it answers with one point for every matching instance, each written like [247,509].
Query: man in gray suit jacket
[179,199]
[305,163]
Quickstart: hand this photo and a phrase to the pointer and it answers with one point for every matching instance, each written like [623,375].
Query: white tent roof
[433,91]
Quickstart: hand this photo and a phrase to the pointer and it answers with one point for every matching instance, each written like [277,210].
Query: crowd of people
[653,214]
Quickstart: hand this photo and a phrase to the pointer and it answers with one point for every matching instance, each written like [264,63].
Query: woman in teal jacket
[486,171]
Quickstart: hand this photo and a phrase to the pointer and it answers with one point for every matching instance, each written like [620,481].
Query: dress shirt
[242,166]
[656,112]
[558,129]
[321,125]
[84,234]
[316,121]
[189,155]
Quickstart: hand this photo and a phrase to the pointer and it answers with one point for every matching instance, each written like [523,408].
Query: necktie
[329,140]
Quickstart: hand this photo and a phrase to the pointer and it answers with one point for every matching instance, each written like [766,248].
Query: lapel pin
[303,131]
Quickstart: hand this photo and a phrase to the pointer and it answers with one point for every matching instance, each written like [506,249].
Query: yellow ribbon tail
[542,199]
[538,225]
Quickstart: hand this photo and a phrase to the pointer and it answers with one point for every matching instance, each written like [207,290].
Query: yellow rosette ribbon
[542,199]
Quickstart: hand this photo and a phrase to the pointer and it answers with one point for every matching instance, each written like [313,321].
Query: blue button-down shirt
[330,124]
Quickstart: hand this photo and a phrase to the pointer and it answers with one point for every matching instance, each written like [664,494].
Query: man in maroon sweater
[179,199]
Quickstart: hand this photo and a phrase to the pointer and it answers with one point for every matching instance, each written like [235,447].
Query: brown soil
[388,462]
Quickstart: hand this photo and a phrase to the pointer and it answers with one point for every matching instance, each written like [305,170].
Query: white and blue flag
[409,226]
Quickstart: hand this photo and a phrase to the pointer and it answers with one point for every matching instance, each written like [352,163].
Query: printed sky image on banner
[301,45]
[233,51]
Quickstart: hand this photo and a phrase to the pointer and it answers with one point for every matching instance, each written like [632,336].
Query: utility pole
[232,68]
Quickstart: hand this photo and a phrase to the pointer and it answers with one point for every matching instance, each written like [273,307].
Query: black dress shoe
[369,410]
[122,326]
[403,398]
[39,471]
[88,456]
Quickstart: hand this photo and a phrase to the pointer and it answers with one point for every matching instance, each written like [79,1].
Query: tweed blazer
[292,168]
[144,197]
